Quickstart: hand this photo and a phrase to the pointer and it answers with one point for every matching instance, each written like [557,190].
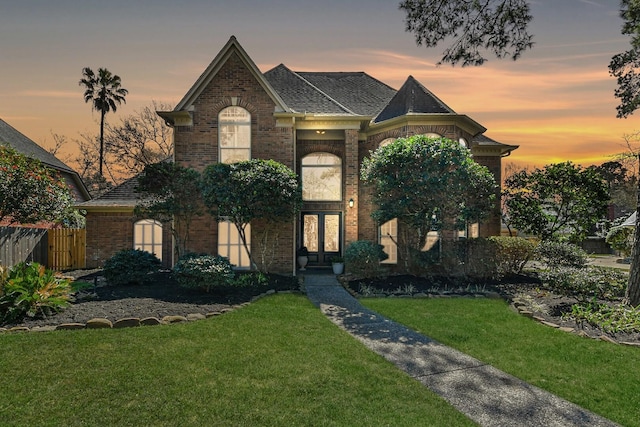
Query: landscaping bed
[160,298]
[525,293]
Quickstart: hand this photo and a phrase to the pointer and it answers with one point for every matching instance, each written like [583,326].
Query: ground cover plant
[596,375]
[276,362]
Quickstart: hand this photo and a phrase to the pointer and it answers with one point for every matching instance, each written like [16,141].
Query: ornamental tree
[30,192]
[170,194]
[561,199]
[252,190]
[427,184]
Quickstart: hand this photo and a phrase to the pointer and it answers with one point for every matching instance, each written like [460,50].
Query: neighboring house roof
[119,197]
[23,145]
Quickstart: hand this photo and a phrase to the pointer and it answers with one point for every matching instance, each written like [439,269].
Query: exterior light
[351,202]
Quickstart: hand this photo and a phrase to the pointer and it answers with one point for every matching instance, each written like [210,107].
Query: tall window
[321,177]
[234,134]
[388,239]
[147,236]
[230,245]
[235,146]
[388,232]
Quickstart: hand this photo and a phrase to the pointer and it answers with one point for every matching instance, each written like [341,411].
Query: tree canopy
[170,194]
[445,188]
[249,190]
[501,27]
[104,90]
[560,199]
[30,192]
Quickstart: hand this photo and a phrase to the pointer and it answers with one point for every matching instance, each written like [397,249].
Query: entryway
[322,235]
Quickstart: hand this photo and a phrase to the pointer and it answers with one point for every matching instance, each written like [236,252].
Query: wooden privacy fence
[18,244]
[67,248]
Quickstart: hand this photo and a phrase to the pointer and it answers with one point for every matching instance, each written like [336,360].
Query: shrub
[511,253]
[363,257]
[561,254]
[250,279]
[29,289]
[585,283]
[621,239]
[203,272]
[131,266]
[613,319]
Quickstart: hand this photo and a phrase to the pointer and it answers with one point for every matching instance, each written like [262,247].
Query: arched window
[321,177]
[234,135]
[147,236]
[432,135]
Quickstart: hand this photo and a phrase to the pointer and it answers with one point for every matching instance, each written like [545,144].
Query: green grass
[277,362]
[599,376]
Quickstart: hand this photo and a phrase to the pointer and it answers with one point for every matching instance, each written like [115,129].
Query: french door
[322,235]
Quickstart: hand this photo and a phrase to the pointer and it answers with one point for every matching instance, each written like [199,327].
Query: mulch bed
[162,297]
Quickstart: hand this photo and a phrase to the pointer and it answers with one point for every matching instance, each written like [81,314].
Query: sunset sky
[556,102]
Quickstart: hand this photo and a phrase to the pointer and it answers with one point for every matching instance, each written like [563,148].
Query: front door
[322,234]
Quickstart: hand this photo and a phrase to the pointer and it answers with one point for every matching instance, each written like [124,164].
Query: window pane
[321,177]
[147,236]
[331,233]
[230,245]
[310,235]
[389,233]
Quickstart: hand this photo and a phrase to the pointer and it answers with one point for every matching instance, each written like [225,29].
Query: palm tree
[105,91]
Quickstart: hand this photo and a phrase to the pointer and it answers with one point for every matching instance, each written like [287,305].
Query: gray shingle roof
[23,145]
[11,137]
[413,98]
[123,195]
[339,93]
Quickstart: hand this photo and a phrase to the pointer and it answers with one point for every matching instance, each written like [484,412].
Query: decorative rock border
[523,311]
[132,322]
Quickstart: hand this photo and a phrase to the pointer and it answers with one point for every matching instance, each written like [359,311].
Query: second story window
[321,177]
[234,135]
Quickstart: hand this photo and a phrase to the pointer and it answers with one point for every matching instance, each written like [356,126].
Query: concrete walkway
[486,395]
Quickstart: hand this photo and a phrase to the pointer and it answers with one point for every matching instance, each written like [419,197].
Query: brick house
[321,125]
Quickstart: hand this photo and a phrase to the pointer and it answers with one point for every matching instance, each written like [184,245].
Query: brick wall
[110,232]
[197,146]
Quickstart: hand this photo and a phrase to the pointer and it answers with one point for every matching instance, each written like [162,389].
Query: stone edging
[129,322]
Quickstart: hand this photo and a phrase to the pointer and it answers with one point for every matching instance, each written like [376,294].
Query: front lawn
[277,362]
[599,376]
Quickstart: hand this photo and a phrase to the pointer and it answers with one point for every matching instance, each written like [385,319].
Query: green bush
[621,239]
[363,257]
[613,319]
[29,289]
[131,267]
[585,283]
[203,272]
[512,253]
[561,254]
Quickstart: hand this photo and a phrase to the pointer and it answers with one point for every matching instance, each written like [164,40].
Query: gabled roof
[330,93]
[232,47]
[410,99]
[23,145]
[300,95]
[120,196]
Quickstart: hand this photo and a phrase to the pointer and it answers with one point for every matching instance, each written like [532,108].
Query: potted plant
[337,263]
[303,257]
